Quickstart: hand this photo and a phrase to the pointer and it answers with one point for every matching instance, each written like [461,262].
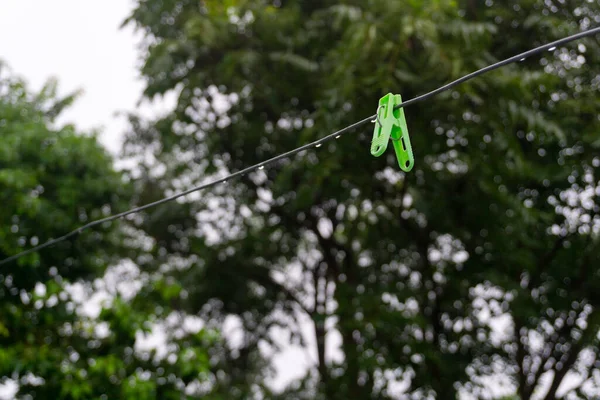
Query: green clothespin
[391,123]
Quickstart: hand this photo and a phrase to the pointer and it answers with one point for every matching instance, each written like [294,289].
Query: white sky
[80,43]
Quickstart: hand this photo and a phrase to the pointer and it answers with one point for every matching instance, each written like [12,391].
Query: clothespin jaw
[391,124]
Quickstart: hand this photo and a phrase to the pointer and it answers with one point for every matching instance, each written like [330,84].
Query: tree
[475,266]
[53,180]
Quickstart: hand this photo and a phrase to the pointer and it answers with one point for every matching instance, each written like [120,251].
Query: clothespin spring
[377,116]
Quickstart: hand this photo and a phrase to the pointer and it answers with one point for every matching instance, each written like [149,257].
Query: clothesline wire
[316,143]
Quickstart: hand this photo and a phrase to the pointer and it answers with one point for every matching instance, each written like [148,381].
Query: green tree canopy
[474,271]
[53,180]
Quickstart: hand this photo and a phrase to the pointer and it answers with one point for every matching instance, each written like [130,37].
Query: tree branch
[572,355]
[524,391]
[545,260]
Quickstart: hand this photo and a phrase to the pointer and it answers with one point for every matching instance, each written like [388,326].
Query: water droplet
[338,136]
[522,59]
[261,167]
[319,145]
[552,48]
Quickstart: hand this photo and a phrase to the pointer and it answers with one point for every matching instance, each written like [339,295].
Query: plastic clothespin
[391,123]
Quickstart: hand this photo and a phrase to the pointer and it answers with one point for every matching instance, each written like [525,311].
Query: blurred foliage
[476,266]
[53,180]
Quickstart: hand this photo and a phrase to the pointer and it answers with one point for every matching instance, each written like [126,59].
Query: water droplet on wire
[319,145]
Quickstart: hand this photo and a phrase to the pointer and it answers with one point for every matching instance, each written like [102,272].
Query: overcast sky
[80,43]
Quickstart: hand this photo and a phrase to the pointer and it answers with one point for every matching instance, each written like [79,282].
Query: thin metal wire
[376,119]
[316,143]
[518,57]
